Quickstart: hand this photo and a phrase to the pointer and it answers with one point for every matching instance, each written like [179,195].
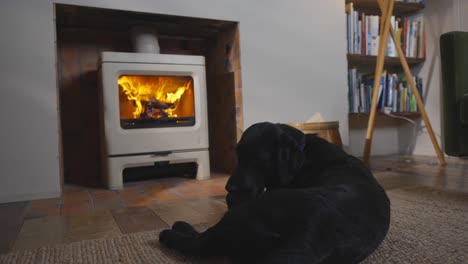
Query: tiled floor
[87,213]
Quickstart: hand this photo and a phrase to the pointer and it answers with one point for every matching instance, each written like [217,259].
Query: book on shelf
[363,33]
[394,92]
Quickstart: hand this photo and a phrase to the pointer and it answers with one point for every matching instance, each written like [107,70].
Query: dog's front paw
[175,240]
[168,237]
[185,228]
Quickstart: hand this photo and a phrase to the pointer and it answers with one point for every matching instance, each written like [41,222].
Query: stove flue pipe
[144,39]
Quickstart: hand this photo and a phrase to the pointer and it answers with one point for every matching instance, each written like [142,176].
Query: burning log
[157,108]
[155,103]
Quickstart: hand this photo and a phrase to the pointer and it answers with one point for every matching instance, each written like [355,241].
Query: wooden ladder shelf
[386,6]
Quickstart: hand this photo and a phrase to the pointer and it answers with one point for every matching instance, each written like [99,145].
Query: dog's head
[268,156]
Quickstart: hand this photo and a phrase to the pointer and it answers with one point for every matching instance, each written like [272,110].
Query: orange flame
[143,89]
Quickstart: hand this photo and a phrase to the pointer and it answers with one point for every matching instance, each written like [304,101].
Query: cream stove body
[143,140]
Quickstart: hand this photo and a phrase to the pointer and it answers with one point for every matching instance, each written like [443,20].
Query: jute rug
[428,226]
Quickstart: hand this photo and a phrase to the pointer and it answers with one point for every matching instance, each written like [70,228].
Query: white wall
[293,65]
[441,16]
[384,141]
[29,166]
[463,6]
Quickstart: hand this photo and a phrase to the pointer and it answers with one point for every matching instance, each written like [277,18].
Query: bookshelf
[364,62]
[386,35]
[410,115]
[359,60]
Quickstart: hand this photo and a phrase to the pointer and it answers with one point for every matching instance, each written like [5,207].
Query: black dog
[293,198]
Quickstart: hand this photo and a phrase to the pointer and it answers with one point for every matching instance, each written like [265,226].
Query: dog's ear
[290,153]
[293,136]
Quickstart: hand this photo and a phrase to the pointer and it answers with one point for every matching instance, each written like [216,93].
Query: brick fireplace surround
[84,32]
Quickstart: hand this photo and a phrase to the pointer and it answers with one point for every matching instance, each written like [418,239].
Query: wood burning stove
[153,110]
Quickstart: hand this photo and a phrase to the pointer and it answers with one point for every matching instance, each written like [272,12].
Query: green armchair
[454,60]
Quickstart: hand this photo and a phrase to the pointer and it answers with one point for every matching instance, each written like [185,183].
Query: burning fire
[154,96]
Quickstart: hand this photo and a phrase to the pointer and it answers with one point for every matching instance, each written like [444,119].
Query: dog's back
[362,206]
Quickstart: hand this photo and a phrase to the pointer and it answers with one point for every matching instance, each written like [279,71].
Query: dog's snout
[230,201]
[231,187]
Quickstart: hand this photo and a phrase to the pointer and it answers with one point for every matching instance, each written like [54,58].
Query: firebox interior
[148,101]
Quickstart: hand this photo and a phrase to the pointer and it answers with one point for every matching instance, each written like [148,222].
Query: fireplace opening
[84,33]
[148,101]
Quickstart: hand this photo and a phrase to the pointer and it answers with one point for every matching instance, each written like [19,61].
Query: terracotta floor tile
[69,188]
[76,208]
[172,182]
[191,184]
[184,189]
[211,209]
[140,201]
[153,187]
[193,190]
[135,196]
[92,225]
[132,189]
[153,184]
[107,202]
[220,180]
[161,193]
[192,195]
[44,208]
[220,199]
[97,194]
[208,206]
[217,190]
[217,175]
[178,210]
[11,219]
[137,219]
[166,195]
[77,196]
[41,232]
